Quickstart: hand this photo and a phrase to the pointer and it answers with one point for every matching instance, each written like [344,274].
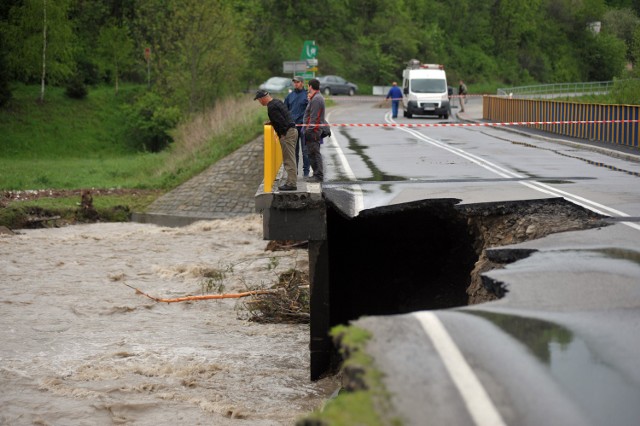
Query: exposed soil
[36,194]
[501,224]
[19,216]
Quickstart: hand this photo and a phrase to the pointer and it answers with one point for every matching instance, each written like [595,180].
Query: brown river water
[79,347]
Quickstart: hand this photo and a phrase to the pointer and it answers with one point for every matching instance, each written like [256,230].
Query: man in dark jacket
[314,121]
[285,128]
[462,93]
[296,101]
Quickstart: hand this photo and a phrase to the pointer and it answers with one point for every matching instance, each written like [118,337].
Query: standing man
[296,102]
[314,120]
[285,128]
[462,93]
[395,94]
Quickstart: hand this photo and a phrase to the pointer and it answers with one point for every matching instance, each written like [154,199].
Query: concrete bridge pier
[301,216]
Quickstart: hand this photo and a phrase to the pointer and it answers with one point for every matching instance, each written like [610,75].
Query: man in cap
[296,101]
[285,128]
[314,122]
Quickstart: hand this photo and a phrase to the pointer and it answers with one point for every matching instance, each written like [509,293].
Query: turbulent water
[80,347]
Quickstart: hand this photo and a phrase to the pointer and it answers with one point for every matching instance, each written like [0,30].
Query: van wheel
[446,116]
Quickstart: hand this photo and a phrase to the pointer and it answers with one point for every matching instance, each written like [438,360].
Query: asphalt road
[562,347]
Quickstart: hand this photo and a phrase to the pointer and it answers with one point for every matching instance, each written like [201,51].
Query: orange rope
[203,297]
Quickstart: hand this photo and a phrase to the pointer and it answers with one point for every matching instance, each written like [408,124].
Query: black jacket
[279,117]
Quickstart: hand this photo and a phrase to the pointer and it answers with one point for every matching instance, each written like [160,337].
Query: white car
[278,85]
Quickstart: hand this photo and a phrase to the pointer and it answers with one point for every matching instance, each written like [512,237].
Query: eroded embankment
[430,254]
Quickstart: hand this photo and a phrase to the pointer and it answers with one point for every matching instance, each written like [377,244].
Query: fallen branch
[204,297]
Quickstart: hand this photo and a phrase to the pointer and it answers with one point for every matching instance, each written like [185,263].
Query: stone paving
[225,189]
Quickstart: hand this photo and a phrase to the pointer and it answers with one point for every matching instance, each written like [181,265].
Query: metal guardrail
[557,90]
[272,157]
[618,124]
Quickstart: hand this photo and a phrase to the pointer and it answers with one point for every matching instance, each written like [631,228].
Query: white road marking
[538,186]
[358,198]
[476,399]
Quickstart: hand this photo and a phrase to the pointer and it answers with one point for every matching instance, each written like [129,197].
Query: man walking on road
[285,128]
[314,120]
[395,94]
[462,94]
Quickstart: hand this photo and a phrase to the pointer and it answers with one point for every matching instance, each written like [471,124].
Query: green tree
[623,24]
[512,19]
[208,52]
[197,49]
[5,90]
[40,42]
[604,56]
[634,48]
[115,49]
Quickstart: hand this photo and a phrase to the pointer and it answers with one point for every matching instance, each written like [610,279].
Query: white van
[425,90]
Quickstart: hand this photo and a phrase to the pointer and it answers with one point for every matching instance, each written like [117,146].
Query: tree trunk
[44,50]
[116,78]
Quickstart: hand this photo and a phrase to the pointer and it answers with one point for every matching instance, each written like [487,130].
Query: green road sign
[306,75]
[309,50]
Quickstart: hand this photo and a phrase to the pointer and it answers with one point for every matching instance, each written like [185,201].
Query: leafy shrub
[5,93]
[604,56]
[76,88]
[149,122]
[626,92]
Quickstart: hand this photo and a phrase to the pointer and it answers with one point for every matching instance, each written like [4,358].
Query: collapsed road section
[400,258]
[427,254]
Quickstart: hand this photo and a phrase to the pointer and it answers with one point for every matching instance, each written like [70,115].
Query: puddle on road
[359,149]
[579,370]
[619,253]
[555,181]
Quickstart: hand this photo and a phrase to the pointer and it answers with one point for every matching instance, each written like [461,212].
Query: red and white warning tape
[379,98]
[487,124]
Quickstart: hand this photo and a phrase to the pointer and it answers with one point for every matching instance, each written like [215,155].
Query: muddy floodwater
[79,347]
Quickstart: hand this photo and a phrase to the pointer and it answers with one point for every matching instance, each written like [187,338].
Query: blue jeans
[394,108]
[300,145]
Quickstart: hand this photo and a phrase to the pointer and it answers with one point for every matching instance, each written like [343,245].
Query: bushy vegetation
[149,122]
[193,52]
[363,400]
[625,92]
[68,143]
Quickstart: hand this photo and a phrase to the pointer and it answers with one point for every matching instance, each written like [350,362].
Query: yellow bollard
[272,157]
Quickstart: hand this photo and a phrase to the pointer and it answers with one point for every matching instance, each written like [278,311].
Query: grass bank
[363,399]
[70,144]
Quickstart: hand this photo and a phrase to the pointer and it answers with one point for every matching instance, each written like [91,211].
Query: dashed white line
[538,186]
[358,198]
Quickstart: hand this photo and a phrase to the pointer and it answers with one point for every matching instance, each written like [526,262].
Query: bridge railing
[616,124]
[557,90]
[272,157]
